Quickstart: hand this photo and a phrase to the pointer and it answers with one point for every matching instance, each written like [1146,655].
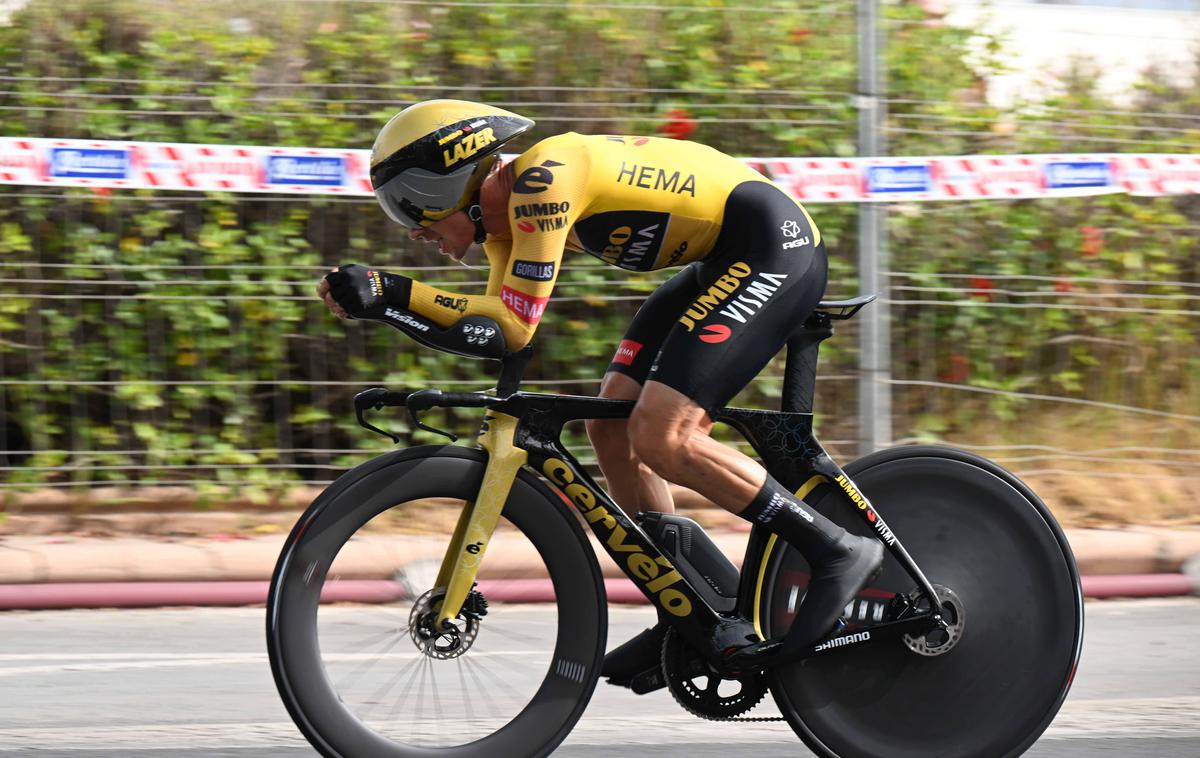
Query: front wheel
[365,680]
[1008,581]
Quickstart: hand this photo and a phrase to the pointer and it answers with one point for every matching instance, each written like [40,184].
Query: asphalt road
[150,683]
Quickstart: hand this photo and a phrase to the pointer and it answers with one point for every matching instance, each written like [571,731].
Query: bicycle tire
[976,528]
[353,500]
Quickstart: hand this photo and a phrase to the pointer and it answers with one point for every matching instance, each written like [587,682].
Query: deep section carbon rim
[370,680]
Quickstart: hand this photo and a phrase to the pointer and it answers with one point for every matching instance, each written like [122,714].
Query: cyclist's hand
[355,291]
[323,293]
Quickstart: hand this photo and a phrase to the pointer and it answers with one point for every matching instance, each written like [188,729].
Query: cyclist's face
[453,235]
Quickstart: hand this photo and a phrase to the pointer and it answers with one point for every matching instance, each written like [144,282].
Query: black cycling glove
[363,291]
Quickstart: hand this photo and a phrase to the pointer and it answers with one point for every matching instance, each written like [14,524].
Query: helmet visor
[416,197]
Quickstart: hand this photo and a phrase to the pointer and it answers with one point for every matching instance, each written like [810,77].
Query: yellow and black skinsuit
[643,203]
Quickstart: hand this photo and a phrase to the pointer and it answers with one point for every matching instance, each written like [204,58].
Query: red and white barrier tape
[320,171]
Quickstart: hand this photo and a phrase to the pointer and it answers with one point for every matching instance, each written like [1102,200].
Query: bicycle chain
[731,718]
[754,718]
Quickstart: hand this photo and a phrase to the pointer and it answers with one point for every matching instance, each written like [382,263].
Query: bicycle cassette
[701,691]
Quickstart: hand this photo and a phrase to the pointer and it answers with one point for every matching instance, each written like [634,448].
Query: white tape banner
[317,171]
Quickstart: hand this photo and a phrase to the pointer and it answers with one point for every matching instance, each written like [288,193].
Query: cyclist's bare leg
[630,482]
[669,432]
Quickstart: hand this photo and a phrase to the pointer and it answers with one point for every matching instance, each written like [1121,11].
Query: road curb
[26,559]
[1139,585]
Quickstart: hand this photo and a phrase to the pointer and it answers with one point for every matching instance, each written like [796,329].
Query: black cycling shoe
[640,655]
[852,564]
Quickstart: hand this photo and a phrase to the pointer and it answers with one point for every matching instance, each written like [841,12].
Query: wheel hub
[452,640]
[939,641]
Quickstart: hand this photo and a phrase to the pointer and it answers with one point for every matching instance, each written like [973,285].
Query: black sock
[815,536]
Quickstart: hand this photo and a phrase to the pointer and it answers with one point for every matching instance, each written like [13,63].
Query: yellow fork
[478,520]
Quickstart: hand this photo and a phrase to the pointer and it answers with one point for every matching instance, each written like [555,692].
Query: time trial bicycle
[965,645]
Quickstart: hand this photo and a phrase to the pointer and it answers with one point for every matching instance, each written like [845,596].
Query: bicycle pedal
[648,681]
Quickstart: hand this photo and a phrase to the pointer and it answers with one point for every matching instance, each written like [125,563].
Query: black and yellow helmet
[431,157]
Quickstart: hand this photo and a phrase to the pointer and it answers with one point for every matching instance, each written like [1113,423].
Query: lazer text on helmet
[469,145]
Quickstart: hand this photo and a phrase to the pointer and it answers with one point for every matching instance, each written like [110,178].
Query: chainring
[697,687]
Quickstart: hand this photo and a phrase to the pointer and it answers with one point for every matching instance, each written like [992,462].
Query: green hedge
[269,372]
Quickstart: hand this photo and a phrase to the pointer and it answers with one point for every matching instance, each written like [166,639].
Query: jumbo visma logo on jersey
[627,239]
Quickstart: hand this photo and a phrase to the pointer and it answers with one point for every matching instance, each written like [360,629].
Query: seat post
[800,367]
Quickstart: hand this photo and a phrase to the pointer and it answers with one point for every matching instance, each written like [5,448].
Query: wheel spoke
[377,697]
[471,668]
[500,681]
[357,664]
[371,639]
[502,632]
[437,701]
[466,692]
[357,672]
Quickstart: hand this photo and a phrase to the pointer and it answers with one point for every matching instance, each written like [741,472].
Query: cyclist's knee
[662,446]
[605,430]
[612,434]
[609,438]
[618,386]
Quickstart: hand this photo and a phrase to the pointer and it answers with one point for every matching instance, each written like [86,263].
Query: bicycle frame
[525,429]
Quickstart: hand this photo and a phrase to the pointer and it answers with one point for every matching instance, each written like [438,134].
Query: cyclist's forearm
[445,308]
[475,336]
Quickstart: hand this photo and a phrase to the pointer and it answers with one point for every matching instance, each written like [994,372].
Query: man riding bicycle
[754,269]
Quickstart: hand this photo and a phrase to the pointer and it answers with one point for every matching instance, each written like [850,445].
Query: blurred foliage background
[158,337]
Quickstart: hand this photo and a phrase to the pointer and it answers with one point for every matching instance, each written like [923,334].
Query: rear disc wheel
[1012,597]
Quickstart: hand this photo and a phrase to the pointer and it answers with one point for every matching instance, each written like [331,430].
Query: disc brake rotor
[701,690]
[955,615]
[445,643]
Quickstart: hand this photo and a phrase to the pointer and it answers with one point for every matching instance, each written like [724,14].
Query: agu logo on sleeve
[1077,174]
[312,170]
[887,180]
[89,163]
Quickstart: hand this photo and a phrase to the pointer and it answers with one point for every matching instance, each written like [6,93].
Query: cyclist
[754,269]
